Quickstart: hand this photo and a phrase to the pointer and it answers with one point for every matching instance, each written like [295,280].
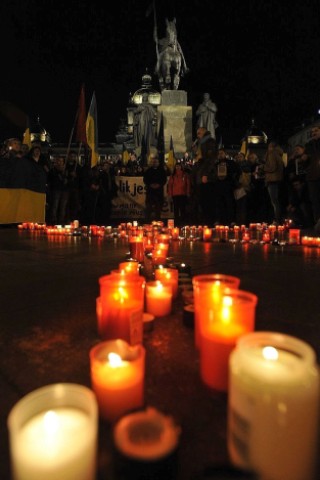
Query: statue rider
[170,58]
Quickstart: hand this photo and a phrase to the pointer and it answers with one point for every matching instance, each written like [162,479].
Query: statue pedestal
[177,120]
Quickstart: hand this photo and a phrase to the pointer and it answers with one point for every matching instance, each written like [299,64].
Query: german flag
[92,131]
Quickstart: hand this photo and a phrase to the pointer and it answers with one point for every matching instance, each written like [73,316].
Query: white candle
[49,441]
[273,409]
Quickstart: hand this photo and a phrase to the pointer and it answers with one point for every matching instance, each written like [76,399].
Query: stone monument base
[177,120]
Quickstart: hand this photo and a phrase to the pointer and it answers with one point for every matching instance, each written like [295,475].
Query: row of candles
[272,379]
[255,233]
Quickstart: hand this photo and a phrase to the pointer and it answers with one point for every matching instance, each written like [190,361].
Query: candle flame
[114,360]
[226,311]
[121,295]
[270,353]
[159,286]
[50,421]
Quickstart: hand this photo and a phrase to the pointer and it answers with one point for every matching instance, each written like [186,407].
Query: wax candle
[207,290]
[136,248]
[53,434]
[158,298]
[159,256]
[168,276]
[175,232]
[117,377]
[122,301]
[131,266]
[273,407]
[294,236]
[221,326]
[206,234]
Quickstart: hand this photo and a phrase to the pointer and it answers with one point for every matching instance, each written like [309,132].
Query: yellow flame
[51,421]
[121,295]
[114,360]
[226,310]
[270,353]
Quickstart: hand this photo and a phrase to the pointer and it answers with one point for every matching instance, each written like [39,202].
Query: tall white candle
[49,441]
[273,411]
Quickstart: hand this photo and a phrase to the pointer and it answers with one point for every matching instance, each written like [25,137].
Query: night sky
[256,58]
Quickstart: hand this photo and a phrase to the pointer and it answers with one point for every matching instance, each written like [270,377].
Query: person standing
[154,179]
[312,152]
[179,191]
[206,114]
[273,168]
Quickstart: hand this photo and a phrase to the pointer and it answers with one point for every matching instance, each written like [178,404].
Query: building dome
[254,135]
[38,133]
[154,97]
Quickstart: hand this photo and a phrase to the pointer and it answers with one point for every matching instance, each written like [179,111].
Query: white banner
[130,201]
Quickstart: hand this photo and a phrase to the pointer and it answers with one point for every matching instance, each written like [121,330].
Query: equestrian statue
[171,64]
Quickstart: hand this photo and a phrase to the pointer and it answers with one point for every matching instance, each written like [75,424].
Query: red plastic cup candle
[168,276]
[231,318]
[121,307]
[131,266]
[208,291]
[175,232]
[294,236]
[206,234]
[158,298]
[136,248]
[117,377]
[159,255]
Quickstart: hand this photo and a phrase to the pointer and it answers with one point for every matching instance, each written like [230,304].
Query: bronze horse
[171,64]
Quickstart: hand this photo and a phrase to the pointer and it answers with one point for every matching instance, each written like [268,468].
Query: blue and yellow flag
[92,131]
[27,136]
[243,148]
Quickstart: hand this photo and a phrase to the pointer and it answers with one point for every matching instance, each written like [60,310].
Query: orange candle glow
[206,234]
[175,232]
[131,266]
[208,291]
[158,298]
[168,276]
[121,300]
[232,317]
[117,377]
[136,248]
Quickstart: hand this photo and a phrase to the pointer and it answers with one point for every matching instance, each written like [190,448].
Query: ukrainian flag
[92,131]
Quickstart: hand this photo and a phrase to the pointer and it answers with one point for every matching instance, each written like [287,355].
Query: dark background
[256,58]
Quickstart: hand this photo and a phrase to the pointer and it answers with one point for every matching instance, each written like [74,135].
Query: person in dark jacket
[154,179]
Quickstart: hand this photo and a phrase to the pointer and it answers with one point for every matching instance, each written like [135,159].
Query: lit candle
[220,328]
[168,276]
[175,233]
[136,248]
[207,290]
[117,377]
[206,234]
[158,298]
[131,266]
[294,236]
[159,256]
[273,411]
[122,301]
[53,434]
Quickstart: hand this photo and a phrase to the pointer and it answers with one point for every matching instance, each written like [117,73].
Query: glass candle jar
[273,406]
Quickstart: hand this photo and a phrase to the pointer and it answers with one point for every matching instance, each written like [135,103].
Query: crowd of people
[207,185]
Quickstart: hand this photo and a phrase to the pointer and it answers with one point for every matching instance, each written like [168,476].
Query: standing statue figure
[171,64]
[206,114]
[144,123]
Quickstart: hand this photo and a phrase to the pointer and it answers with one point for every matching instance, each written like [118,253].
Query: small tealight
[146,435]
